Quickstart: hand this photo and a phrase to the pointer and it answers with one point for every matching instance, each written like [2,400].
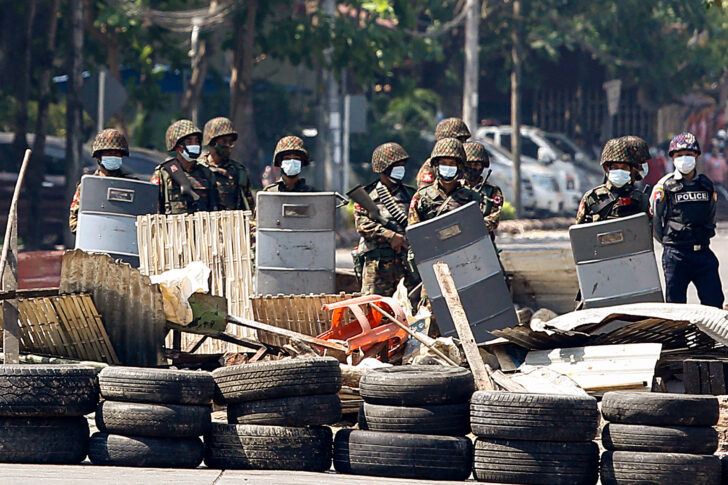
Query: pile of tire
[412,425]
[151,417]
[525,438]
[277,412]
[660,439]
[41,413]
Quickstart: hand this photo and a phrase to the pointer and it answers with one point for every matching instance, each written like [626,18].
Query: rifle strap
[175,171]
[394,209]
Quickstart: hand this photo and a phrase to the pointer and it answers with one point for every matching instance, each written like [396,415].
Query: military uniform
[431,201]
[447,128]
[290,144]
[684,222]
[492,196]
[280,186]
[76,201]
[171,200]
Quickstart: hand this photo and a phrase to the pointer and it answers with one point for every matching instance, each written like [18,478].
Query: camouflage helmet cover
[451,128]
[638,149]
[178,130]
[216,127]
[448,148]
[617,150]
[684,141]
[290,144]
[476,152]
[386,155]
[110,139]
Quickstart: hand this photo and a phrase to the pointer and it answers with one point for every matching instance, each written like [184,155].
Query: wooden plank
[483,382]
[704,367]
[717,377]
[286,333]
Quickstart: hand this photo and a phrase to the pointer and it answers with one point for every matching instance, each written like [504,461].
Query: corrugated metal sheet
[130,306]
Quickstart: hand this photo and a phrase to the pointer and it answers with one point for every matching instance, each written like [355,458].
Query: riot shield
[460,239]
[107,215]
[295,249]
[615,262]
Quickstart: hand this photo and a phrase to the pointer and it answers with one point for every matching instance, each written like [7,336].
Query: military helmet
[448,148]
[451,128]
[476,152]
[617,150]
[684,141]
[178,130]
[386,155]
[290,144]
[216,127]
[638,149]
[110,139]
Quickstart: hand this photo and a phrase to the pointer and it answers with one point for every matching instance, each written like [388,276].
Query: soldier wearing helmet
[447,128]
[383,247]
[477,160]
[639,152]
[108,149]
[684,207]
[231,178]
[185,186]
[290,155]
[617,197]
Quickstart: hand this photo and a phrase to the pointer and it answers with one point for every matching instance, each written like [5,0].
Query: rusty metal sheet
[39,269]
[130,306]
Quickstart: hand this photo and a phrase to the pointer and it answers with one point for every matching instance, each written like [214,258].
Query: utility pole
[74,120]
[333,115]
[516,107]
[472,62]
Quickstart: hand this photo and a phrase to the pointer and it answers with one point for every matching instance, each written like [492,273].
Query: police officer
[384,248]
[108,149]
[185,186]
[447,128]
[290,155]
[684,204]
[477,160]
[617,197]
[231,178]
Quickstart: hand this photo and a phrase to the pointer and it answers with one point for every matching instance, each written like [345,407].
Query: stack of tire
[277,412]
[151,417]
[412,425]
[41,413]
[660,439]
[528,438]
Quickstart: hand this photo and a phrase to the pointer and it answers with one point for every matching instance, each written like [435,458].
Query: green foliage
[508,212]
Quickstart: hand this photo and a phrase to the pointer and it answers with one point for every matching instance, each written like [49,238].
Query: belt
[692,247]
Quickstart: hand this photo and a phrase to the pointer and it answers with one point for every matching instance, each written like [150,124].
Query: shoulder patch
[413,202]
[498,200]
[658,194]
[428,178]
[155,180]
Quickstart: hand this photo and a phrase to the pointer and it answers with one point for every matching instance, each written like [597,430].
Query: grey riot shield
[460,239]
[295,243]
[615,262]
[107,215]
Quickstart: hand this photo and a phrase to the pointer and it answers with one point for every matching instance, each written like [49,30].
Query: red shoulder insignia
[428,178]
[155,180]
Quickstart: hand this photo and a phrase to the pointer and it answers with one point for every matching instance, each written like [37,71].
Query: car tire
[417,385]
[630,467]
[659,409]
[401,455]
[538,462]
[442,420]
[287,411]
[533,417]
[698,440]
[277,379]
[145,451]
[162,386]
[154,420]
[60,441]
[253,447]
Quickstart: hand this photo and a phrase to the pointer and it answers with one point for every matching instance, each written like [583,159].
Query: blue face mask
[397,173]
[291,167]
[619,178]
[191,152]
[446,172]
[111,163]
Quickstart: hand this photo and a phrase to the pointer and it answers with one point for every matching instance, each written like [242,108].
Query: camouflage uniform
[108,139]
[383,266]
[491,194]
[447,128]
[202,180]
[232,181]
[290,144]
[607,201]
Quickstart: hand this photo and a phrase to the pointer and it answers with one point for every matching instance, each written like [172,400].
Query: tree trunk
[241,94]
[36,169]
[22,89]
[516,107]
[472,58]
[74,119]
[201,55]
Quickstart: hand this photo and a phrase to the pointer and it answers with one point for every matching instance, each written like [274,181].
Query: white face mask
[111,163]
[291,167]
[619,178]
[645,169]
[191,152]
[447,172]
[685,164]
[397,173]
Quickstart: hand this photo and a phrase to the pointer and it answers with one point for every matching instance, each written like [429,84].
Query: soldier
[684,204]
[108,149]
[639,151]
[476,160]
[290,155]
[384,249]
[447,128]
[185,186]
[618,196]
[231,178]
